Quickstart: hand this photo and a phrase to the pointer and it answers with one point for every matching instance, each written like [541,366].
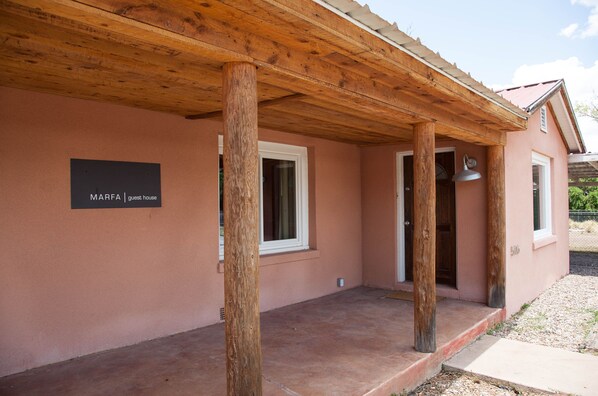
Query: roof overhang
[553,94]
[320,73]
[563,112]
[361,16]
[581,168]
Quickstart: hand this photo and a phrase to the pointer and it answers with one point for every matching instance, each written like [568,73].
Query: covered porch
[329,70]
[355,342]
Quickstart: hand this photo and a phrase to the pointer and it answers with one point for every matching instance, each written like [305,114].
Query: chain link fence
[583,231]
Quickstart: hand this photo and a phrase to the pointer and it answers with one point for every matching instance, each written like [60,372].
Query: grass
[538,322]
[499,327]
[496,329]
[588,327]
[592,322]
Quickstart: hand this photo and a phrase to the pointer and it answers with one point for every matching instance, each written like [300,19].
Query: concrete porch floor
[354,342]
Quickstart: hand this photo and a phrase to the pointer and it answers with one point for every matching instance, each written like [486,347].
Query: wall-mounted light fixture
[467,174]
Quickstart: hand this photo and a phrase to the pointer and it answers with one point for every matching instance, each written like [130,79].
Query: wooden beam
[376,51]
[344,121]
[241,225]
[497,235]
[583,184]
[83,17]
[581,158]
[184,27]
[394,106]
[261,105]
[424,237]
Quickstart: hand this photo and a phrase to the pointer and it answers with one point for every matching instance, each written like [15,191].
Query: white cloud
[581,83]
[569,30]
[587,3]
[589,131]
[590,29]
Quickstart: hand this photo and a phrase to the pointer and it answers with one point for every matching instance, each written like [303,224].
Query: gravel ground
[562,317]
[449,383]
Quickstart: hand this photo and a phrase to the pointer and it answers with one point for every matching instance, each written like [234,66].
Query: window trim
[544,163]
[543,119]
[298,154]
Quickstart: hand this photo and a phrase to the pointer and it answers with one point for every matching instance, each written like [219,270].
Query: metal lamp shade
[467,174]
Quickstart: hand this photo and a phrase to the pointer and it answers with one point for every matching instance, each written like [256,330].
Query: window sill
[281,258]
[544,241]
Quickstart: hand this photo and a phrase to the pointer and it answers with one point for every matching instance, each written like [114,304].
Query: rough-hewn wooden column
[424,237]
[241,244]
[497,237]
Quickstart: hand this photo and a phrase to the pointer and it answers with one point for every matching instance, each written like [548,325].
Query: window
[283,198]
[541,196]
[543,120]
[441,173]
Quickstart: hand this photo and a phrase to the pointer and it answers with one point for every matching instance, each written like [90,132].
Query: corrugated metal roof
[533,96]
[363,17]
[527,96]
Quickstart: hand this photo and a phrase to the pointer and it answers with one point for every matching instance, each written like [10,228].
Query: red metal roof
[526,95]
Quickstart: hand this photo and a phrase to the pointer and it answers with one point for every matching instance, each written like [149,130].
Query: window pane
[221,197]
[441,173]
[537,186]
[279,199]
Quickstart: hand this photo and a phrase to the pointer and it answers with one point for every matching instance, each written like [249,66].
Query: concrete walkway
[529,365]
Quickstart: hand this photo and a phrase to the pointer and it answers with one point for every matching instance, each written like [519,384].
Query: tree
[585,198]
[592,201]
[588,109]
[577,199]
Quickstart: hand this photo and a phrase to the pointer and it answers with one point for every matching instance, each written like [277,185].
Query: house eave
[416,49]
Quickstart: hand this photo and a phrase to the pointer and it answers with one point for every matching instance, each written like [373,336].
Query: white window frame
[298,155]
[543,119]
[545,196]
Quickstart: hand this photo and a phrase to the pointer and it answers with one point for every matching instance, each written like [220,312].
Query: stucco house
[536,199]
[170,166]
[536,260]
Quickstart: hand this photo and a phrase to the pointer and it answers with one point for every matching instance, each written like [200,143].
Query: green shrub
[577,199]
[592,201]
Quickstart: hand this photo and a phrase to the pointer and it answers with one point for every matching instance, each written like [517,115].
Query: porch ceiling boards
[340,82]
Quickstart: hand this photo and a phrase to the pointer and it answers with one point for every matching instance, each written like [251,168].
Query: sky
[510,42]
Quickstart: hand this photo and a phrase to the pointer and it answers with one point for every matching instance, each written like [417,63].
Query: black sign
[114,184]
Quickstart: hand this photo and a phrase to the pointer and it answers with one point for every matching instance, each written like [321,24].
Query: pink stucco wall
[379,208]
[74,282]
[534,268]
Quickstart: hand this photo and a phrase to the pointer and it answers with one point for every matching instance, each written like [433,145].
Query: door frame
[400,196]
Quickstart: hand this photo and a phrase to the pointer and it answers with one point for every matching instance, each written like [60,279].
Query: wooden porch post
[424,237]
[497,236]
[241,247]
